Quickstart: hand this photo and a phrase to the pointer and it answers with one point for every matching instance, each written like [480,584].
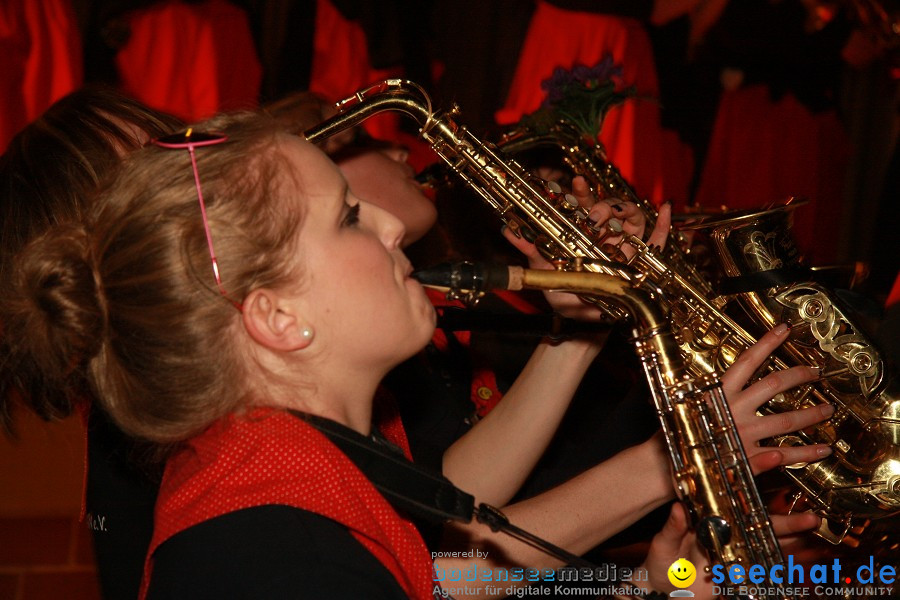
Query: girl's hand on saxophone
[745,401]
[677,540]
[632,220]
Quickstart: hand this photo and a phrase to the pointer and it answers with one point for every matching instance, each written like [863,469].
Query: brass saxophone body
[861,480]
[710,468]
[711,472]
[862,477]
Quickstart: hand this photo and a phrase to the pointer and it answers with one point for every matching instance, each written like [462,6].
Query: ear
[273,322]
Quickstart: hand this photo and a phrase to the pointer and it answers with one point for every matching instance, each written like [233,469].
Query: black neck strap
[408,487]
[420,492]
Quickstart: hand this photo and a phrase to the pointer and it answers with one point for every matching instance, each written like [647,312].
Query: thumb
[675,528]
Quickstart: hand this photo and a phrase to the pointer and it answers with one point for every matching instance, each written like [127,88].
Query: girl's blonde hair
[49,175]
[130,301]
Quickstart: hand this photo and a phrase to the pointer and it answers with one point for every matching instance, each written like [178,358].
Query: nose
[389,228]
[399,154]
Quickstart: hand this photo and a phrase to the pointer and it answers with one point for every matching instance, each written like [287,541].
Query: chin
[427,332]
[415,345]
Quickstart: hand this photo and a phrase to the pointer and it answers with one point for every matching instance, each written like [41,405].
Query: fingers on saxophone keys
[754,356]
[794,523]
[775,383]
[606,222]
[599,214]
[583,193]
[793,420]
[764,460]
[791,455]
[660,233]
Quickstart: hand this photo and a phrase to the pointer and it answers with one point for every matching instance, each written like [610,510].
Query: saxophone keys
[614,253]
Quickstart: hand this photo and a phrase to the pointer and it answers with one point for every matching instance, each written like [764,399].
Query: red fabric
[517,302]
[386,414]
[218,473]
[41,50]
[763,151]
[894,296]
[14,49]
[54,66]
[632,133]
[191,60]
[341,65]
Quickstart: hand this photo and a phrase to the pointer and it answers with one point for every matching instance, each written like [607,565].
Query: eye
[351,219]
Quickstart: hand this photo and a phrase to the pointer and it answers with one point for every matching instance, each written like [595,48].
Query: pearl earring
[307,333]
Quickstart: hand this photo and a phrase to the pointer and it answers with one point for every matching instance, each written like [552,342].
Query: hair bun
[53,320]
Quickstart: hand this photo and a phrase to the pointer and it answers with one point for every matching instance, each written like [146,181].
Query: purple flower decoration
[582,95]
[556,84]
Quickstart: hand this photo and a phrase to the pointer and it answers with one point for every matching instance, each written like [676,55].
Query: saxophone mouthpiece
[465,277]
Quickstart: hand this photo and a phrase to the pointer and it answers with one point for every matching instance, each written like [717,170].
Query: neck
[355,415]
[318,385]
[345,397]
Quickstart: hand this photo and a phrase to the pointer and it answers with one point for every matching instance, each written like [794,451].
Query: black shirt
[120,498]
[269,552]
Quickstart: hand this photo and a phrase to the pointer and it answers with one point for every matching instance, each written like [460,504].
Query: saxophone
[756,251]
[861,479]
[710,469]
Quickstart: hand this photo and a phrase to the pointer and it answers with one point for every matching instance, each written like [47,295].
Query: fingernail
[618,207]
[503,229]
[827,410]
[781,329]
[669,202]
[823,452]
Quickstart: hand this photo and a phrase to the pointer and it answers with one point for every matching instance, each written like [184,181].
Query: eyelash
[352,217]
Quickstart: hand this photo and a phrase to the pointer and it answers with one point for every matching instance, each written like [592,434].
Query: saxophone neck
[651,324]
[397,95]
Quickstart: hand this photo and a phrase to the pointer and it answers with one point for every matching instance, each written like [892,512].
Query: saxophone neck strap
[408,487]
[421,493]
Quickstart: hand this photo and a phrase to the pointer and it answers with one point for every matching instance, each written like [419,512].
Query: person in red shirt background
[41,47]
